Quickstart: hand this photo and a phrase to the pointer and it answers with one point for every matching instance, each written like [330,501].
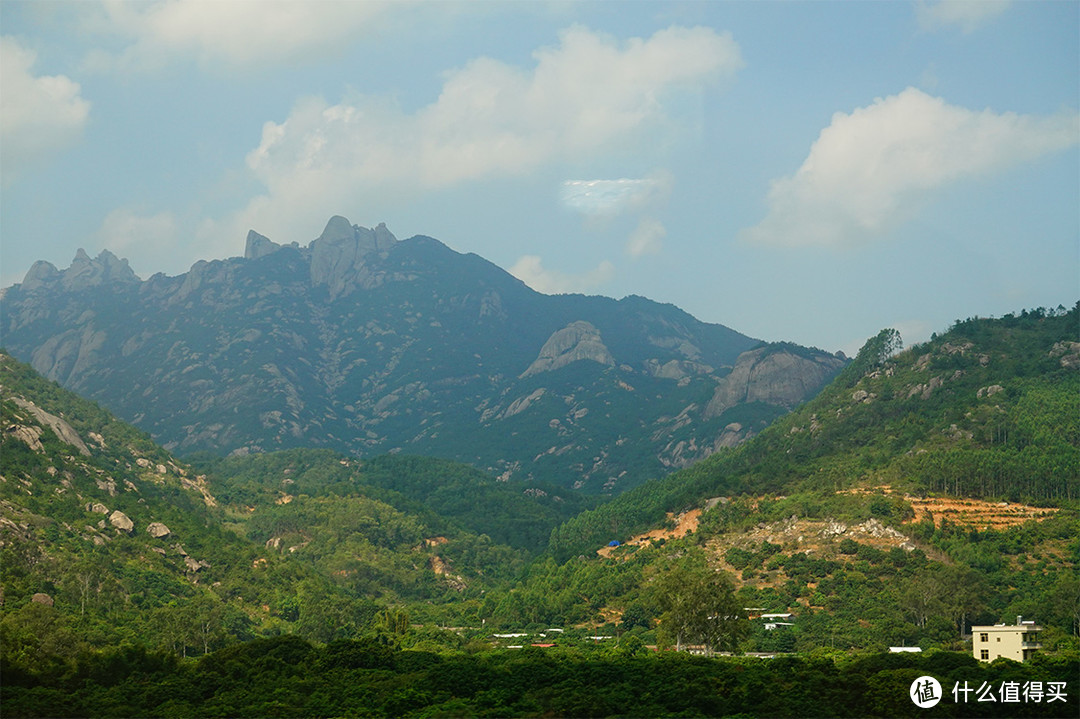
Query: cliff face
[367,344]
[773,376]
[576,342]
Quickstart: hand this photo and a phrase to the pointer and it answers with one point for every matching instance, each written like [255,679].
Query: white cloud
[968,15]
[613,197]
[869,170]
[530,270]
[229,33]
[647,238]
[146,240]
[39,115]
[124,230]
[585,96]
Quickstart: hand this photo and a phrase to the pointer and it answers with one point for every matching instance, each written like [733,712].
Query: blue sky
[810,172]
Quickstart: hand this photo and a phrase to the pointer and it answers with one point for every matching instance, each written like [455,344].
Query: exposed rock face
[577,341]
[1069,352]
[120,521]
[40,272]
[521,404]
[684,453]
[194,565]
[677,369]
[62,429]
[337,256]
[30,435]
[258,246]
[105,268]
[773,377]
[157,530]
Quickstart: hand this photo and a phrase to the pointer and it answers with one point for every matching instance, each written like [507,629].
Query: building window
[984,654]
[999,639]
[984,637]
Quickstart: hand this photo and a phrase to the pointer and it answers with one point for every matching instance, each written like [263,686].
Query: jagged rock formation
[367,344]
[338,255]
[258,246]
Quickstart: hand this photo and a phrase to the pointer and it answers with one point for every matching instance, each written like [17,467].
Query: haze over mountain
[366,344]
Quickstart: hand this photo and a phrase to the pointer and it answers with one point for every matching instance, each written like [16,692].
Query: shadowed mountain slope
[365,344]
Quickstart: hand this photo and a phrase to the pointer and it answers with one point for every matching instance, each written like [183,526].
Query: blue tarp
[613,543]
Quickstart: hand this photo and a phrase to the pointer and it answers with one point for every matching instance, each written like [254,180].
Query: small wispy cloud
[125,231]
[613,197]
[968,15]
[603,200]
[530,270]
[647,238]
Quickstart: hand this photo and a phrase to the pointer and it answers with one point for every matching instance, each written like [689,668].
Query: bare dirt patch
[977,513]
[684,524]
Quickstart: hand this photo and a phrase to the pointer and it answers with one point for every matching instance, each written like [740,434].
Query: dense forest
[288,676]
[923,492]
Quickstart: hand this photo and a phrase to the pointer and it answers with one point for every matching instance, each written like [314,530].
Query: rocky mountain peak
[338,229]
[338,254]
[258,246]
[39,273]
[90,272]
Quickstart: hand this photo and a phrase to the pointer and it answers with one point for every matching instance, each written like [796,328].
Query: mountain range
[365,344]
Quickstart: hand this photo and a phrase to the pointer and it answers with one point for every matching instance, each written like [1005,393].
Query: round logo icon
[925,692]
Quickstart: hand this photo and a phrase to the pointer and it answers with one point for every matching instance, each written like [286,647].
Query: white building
[1017,641]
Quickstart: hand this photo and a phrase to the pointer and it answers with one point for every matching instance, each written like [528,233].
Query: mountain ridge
[366,344]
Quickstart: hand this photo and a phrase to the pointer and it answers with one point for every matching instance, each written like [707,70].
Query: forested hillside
[988,409]
[109,540]
[922,492]
[447,494]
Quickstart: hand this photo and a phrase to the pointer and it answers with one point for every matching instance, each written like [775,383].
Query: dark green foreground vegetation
[287,676]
